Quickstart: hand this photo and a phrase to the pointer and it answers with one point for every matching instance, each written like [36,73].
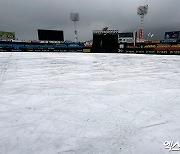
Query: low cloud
[24,17]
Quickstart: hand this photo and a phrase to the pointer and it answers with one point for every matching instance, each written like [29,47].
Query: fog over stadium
[24,17]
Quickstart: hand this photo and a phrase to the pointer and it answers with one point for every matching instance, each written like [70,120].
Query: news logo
[172,146]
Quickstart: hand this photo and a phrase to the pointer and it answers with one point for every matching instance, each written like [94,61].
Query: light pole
[75,18]
[142,11]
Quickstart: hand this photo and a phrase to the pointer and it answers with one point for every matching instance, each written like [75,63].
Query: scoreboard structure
[50,35]
[105,41]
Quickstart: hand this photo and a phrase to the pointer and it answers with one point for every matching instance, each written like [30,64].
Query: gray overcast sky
[24,17]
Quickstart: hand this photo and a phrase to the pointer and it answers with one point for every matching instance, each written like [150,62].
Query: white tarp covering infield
[75,103]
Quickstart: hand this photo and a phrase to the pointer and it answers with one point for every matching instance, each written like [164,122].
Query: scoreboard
[105,41]
[50,35]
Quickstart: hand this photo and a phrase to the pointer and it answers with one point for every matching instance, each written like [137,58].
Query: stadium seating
[164,47]
[175,47]
[150,46]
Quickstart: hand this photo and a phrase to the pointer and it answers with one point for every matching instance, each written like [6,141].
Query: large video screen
[50,35]
[7,35]
[172,35]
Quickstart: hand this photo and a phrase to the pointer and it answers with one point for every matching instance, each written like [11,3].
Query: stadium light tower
[75,18]
[142,11]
